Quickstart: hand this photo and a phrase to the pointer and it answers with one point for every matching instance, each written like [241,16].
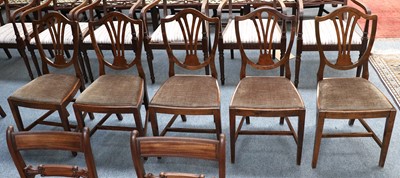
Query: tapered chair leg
[300,134]
[17,115]
[318,137]
[217,118]
[232,126]
[387,134]
[154,124]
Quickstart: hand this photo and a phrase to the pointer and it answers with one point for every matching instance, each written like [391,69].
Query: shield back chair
[46,40]
[112,93]
[12,36]
[51,140]
[106,6]
[2,113]
[51,91]
[354,97]
[207,149]
[155,40]
[267,96]
[306,40]
[227,38]
[188,94]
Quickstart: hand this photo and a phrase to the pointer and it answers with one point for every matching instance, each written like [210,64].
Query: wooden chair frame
[120,62]
[265,62]
[58,62]
[176,147]
[344,62]
[50,140]
[191,63]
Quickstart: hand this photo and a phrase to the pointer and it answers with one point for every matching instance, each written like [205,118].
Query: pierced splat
[121,35]
[345,25]
[56,28]
[116,29]
[265,27]
[190,27]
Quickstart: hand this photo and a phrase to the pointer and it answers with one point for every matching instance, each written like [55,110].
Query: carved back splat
[57,25]
[345,22]
[193,24]
[123,32]
[270,24]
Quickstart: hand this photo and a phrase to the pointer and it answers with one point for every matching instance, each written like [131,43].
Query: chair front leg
[387,134]
[232,126]
[318,137]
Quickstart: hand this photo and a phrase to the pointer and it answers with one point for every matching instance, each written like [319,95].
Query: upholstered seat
[49,88]
[45,37]
[174,34]
[248,33]
[328,33]
[188,92]
[113,90]
[7,34]
[350,94]
[266,92]
[102,36]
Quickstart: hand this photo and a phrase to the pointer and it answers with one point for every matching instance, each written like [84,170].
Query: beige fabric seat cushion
[248,32]
[49,89]
[174,32]
[7,34]
[45,37]
[188,92]
[266,93]
[327,33]
[113,90]
[102,36]
[350,94]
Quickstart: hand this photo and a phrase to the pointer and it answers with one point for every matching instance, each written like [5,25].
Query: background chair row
[80,142]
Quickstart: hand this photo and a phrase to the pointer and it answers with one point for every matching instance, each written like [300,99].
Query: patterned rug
[388,69]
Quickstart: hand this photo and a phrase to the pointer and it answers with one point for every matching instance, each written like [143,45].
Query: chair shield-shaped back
[271,26]
[345,21]
[57,27]
[192,25]
[123,33]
